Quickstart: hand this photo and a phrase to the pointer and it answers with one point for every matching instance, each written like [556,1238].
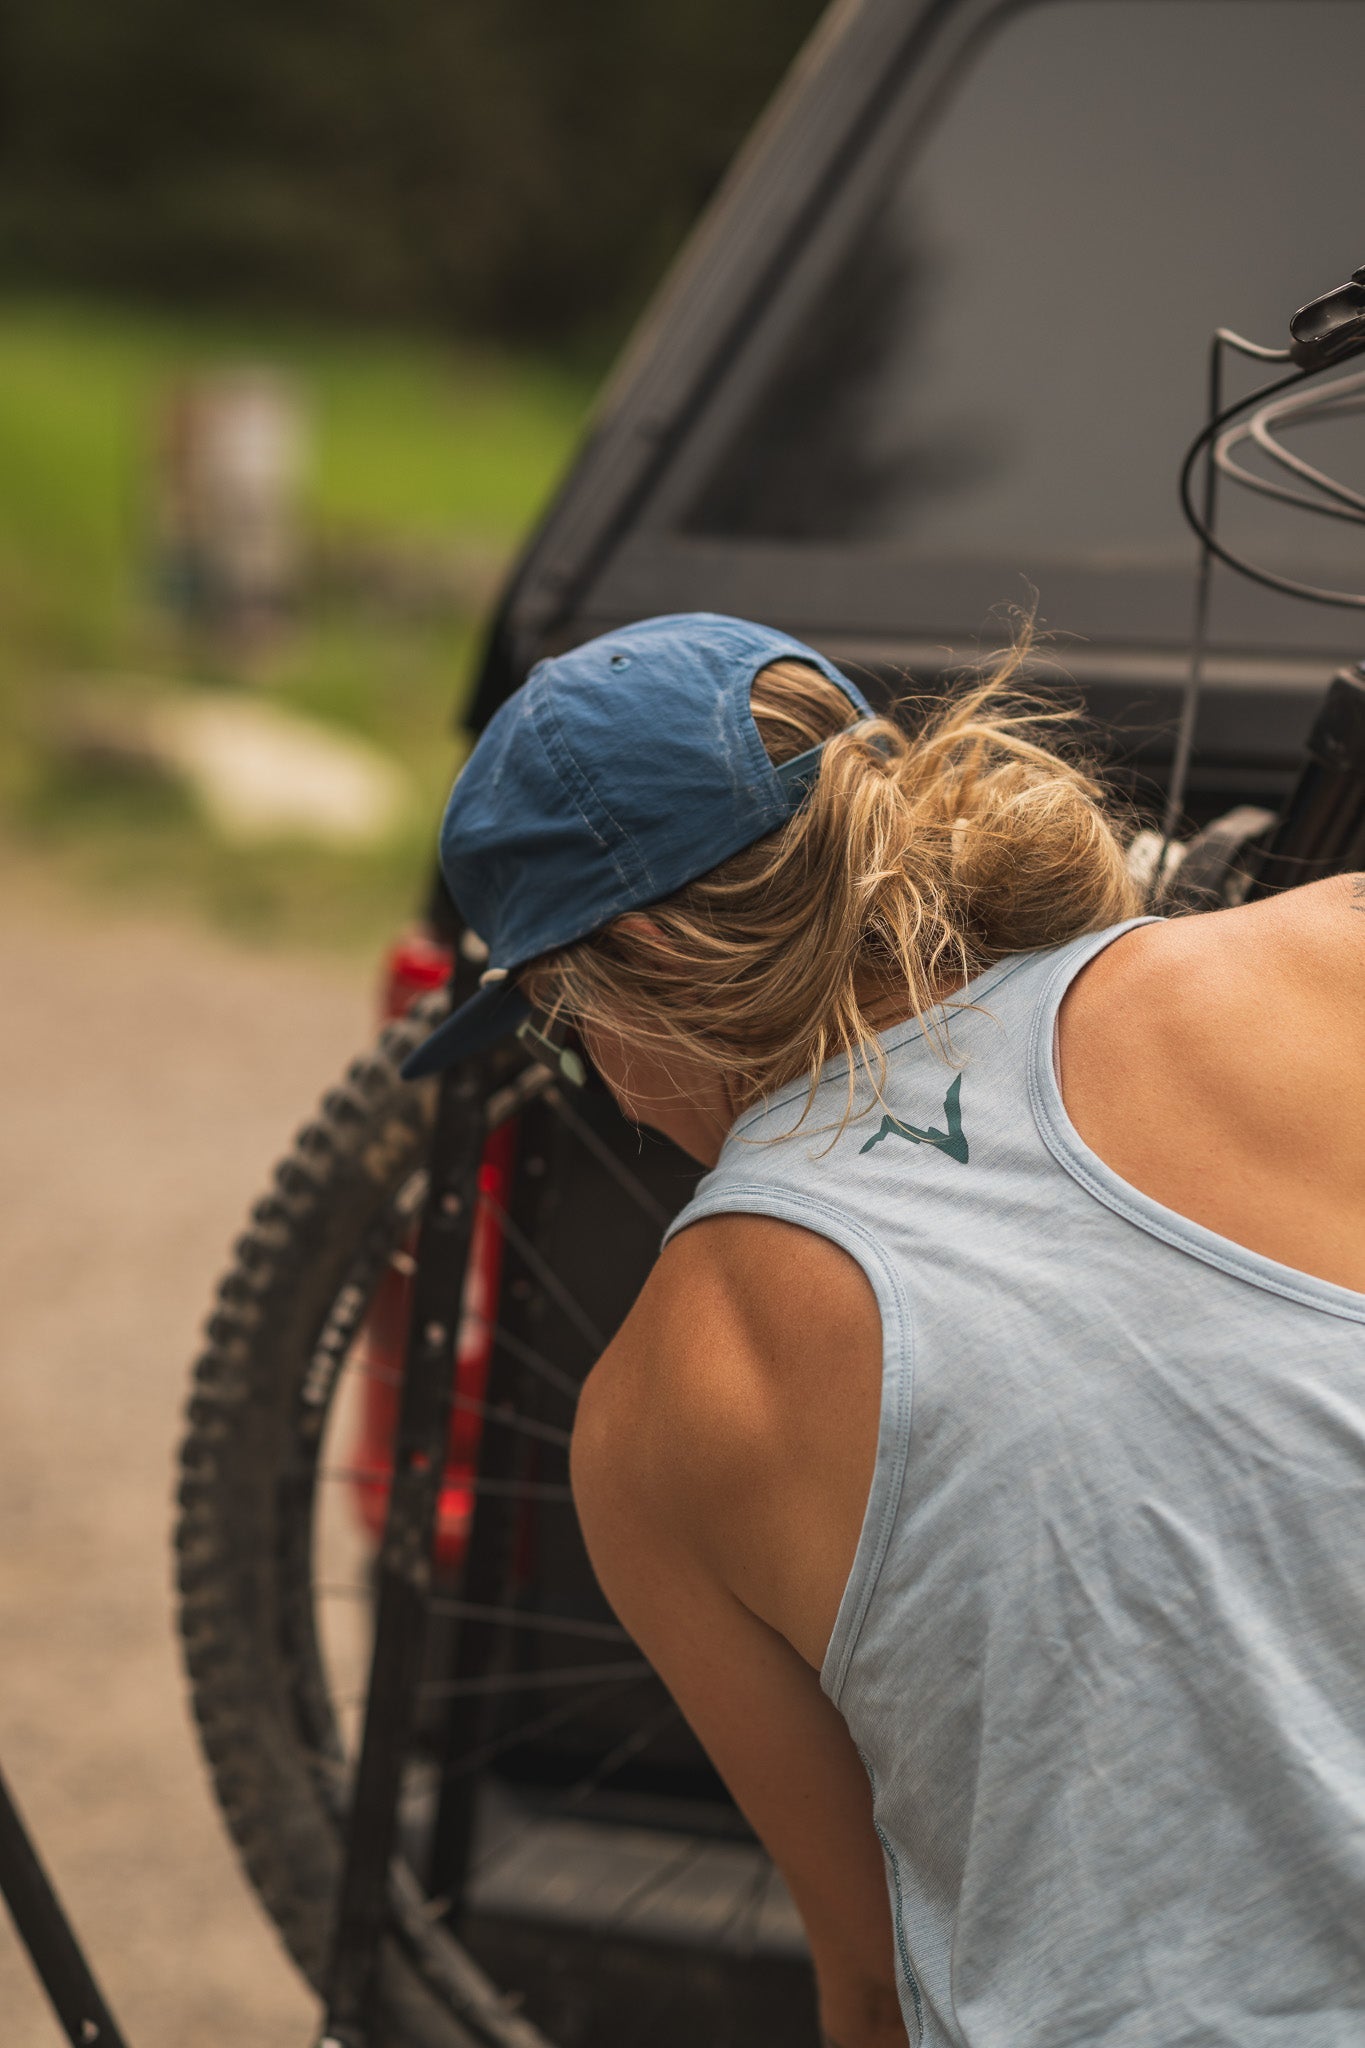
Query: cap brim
[492,1014]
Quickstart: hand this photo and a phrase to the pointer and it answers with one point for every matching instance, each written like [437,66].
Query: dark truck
[931,358]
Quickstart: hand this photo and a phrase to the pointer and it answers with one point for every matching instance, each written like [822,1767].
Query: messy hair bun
[921,856]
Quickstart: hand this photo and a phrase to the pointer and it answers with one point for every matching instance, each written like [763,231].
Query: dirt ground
[149,1076]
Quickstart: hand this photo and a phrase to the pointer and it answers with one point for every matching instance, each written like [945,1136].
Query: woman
[983,1463]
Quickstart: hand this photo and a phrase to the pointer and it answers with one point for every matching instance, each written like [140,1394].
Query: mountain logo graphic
[950,1141]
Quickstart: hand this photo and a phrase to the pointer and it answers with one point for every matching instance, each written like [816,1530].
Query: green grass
[414,445]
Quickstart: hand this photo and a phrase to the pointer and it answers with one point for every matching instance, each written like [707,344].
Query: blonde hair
[919,858]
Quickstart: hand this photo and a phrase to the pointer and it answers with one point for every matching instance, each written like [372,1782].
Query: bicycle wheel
[572,1872]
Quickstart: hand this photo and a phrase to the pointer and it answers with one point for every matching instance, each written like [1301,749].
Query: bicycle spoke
[615,1760]
[510,1489]
[540,1624]
[527,1355]
[530,1731]
[521,1489]
[402,1262]
[650,1887]
[612,1712]
[547,1277]
[510,1617]
[625,1670]
[524,1353]
[607,1159]
[742,1921]
[509,1418]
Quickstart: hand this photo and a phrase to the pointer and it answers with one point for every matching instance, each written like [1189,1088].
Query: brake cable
[1328,330]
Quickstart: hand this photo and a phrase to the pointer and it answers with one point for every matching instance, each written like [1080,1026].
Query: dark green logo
[950,1141]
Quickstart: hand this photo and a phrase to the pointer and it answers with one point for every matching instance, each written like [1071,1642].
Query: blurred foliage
[518,168]
[440,449]
[412,439]
[309,188]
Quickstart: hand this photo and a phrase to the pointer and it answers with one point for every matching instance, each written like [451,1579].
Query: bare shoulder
[740,1315]
[741,1394]
[1290,968]
[1241,1029]
[1318,932]
[1257,971]
[1217,1063]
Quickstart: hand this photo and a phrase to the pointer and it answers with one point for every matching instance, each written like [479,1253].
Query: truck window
[1005,369]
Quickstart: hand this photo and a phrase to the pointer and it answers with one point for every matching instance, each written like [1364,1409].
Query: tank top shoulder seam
[1182,1233]
[792,1205]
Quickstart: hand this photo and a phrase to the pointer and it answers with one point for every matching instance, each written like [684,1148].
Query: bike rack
[405,1558]
[404,1573]
[47,1934]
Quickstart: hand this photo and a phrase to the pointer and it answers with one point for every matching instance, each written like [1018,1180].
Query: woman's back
[1051,1467]
[1063,1488]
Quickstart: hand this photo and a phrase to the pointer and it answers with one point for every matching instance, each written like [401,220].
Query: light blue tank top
[1102,1648]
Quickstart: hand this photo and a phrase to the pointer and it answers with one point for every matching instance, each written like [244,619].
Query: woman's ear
[640,928]
[637,926]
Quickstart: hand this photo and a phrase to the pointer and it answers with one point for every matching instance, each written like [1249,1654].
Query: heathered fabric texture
[1102,1648]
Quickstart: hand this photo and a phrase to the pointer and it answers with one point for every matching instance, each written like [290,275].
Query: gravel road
[149,1076]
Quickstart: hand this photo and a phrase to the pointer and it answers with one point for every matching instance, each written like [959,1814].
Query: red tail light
[415,965]
[381,1351]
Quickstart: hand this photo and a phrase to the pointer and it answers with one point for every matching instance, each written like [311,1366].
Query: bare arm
[658,1466]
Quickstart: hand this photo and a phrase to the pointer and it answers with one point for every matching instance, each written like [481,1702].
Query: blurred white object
[1145,850]
[261,773]
[234,451]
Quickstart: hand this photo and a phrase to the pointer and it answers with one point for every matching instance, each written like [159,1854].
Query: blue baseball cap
[617,773]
